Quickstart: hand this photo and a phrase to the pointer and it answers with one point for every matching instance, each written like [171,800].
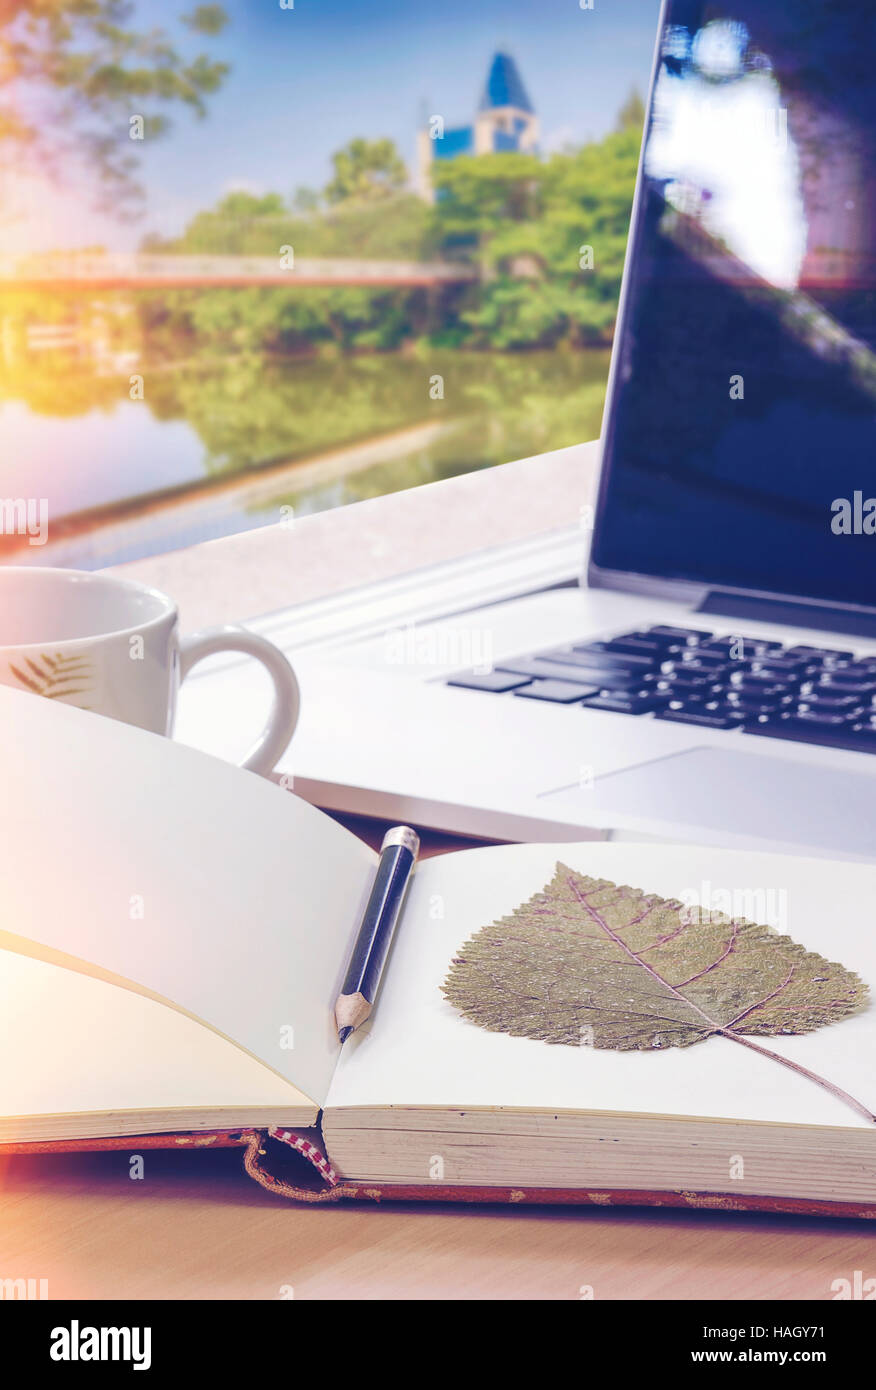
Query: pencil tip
[343,1034]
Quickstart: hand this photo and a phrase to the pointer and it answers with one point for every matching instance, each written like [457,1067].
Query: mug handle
[280,725]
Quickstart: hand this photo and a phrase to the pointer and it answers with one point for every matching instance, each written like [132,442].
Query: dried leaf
[585,962]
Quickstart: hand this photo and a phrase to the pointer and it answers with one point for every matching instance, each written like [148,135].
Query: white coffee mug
[112,645]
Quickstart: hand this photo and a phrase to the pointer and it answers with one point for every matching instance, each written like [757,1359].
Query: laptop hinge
[811,615]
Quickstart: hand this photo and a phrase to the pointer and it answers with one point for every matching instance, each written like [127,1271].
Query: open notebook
[175,932]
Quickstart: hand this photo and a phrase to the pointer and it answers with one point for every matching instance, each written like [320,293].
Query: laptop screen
[740,432]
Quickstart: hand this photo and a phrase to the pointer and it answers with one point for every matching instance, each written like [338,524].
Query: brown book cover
[236,874]
[293,1165]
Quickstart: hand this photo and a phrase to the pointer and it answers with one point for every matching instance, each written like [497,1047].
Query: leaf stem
[801,1071]
[715,1027]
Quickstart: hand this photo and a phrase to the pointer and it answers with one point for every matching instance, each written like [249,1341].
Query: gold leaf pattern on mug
[55,677]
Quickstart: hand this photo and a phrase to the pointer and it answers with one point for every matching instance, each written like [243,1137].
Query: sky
[306,80]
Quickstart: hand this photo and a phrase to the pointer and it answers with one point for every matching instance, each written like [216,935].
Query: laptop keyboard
[686,675]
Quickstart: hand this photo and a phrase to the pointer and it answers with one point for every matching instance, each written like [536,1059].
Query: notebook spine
[309,1149]
[292,1165]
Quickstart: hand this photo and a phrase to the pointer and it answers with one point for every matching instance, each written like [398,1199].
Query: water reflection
[219,447]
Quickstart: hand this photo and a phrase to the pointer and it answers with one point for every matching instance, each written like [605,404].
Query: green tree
[248,224]
[305,200]
[533,227]
[632,114]
[547,237]
[366,170]
[479,195]
[90,72]
[240,224]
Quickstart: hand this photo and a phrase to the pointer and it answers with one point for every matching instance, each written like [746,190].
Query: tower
[505,122]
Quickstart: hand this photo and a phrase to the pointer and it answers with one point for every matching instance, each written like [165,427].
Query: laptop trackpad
[771,799]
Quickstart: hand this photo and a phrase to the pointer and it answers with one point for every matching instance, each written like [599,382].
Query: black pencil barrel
[378,922]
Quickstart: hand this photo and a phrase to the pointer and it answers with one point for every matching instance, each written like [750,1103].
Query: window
[281,278]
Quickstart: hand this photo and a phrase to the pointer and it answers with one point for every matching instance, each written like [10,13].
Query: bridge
[138,271]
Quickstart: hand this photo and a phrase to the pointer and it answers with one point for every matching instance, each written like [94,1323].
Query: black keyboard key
[819,653]
[847,737]
[781,669]
[622,680]
[535,668]
[680,634]
[662,643]
[638,646]
[698,659]
[837,683]
[820,703]
[689,699]
[614,677]
[678,680]
[495,681]
[556,692]
[619,703]
[815,719]
[682,698]
[718,644]
[854,671]
[711,675]
[755,683]
[701,716]
[742,648]
[761,646]
[754,705]
[599,654]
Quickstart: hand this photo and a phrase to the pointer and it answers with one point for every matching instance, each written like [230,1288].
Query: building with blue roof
[505,122]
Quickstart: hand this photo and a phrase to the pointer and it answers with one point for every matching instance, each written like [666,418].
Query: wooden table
[196,1227]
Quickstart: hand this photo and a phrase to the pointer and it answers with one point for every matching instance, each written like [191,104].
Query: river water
[221,445]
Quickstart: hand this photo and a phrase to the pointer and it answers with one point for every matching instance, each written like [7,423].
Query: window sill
[274,567]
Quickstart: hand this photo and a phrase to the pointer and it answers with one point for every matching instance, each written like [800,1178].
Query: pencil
[398,855]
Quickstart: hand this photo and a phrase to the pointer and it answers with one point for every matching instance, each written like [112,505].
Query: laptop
[711,676]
